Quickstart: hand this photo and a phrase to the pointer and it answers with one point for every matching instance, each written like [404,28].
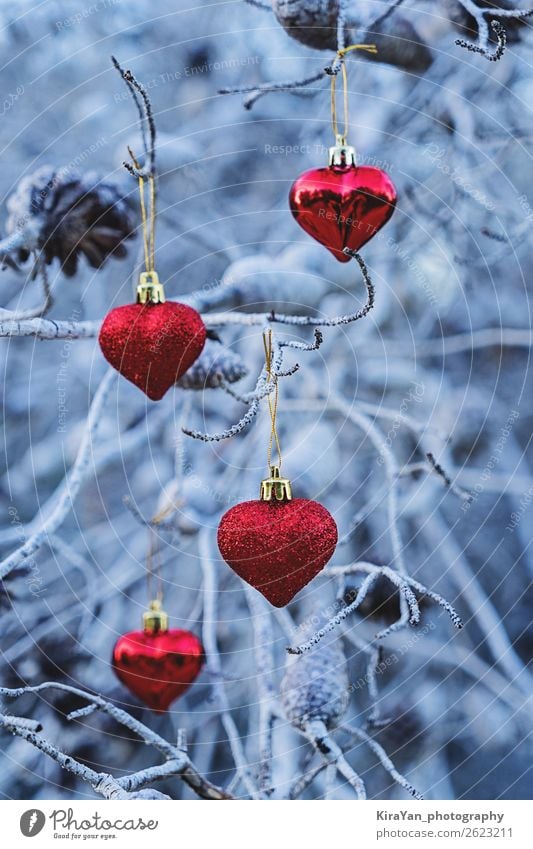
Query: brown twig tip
[146,120]
[439,470]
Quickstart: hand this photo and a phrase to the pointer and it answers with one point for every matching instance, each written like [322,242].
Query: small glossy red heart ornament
[277,546]
[158,667]
[342,206]
[152,345]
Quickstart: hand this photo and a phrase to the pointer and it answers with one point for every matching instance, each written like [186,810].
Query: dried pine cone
[215,363]
[65,214]
[315,686]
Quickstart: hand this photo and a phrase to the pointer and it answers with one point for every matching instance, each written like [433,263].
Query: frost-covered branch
[177,761]
[406,586]
[44,328]
[384,759]
[74,482]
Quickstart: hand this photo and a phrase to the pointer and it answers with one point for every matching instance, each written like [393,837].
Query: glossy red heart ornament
[277,546]
[158,667]
[342,206]
[152,345]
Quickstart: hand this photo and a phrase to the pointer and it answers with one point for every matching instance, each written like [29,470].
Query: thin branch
[146,116]
[263,387]
[453,487]
[209,639]
[101,782]
[166,524]
[40,268]
[377,22]
[256,92]
[303,781]
[259,5]
[45,329]
[317,734]
[264,658]
[374,654]
[385,761]
[181,764]
[501,36]
[340,319]
[405,585]
[235,429]
[76,478]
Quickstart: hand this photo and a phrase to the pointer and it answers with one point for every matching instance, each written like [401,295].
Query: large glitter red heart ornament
[152,345]
[342,206]
[277,546]
[158,667]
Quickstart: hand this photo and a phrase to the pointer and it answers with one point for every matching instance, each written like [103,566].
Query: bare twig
[404,583]
[317,734]
[180,763]
[501,36]
[75,479]
[147,122]
[385,761]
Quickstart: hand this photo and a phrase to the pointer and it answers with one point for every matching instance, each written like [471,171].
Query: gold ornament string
[148,228]
[369,48]
[272,404]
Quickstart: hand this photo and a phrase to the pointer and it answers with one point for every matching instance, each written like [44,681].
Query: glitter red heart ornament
[152,344]
[158,666]
[342,206]
[277,546]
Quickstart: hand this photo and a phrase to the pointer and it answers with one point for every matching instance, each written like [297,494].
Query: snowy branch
[176,763]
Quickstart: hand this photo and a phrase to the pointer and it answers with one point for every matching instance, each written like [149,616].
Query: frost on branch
[126,786]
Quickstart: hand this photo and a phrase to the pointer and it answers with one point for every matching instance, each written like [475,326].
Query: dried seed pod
[314,23]
[315,686]
[66,214]
[214,365]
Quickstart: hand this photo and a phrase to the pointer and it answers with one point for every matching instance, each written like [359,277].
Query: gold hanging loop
[272,405]
[149,290]
[342,153]
[274,486]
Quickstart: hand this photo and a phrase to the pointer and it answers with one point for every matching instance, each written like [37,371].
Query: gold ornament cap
[155,620]
[342,154]
[275,486]
[150,290]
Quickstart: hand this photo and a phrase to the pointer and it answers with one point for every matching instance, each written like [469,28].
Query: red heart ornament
[152,345]
[158,667]
[277,546]
[342,206]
